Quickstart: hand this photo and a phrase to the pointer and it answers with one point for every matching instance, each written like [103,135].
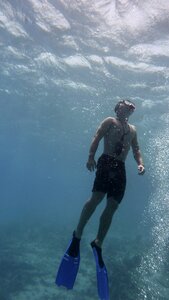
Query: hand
[91,164]
[141,170]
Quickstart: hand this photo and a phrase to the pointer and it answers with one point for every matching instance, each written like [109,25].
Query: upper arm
[103,128]
[134,143]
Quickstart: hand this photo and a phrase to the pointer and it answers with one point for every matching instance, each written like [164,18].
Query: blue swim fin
[102,277]
[69,265]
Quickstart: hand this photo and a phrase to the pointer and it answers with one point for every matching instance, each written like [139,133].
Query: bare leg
[87,211]
[105,220]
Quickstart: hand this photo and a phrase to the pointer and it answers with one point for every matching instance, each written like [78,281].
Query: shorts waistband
[112,158]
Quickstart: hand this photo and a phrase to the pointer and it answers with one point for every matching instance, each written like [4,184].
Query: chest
[117,133]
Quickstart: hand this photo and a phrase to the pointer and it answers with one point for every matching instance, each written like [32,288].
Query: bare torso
[114,134]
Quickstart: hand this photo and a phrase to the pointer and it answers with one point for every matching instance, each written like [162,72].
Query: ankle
[99,253]
[76,234]
[98,243]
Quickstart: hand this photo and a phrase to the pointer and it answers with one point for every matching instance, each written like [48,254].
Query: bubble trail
[153,271]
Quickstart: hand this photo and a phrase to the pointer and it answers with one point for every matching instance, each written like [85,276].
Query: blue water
[64,65]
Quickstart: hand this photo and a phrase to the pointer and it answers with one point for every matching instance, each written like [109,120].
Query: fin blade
[102,279]
[67,271]
[102,284]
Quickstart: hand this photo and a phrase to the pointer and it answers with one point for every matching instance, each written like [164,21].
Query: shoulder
[105,125]
[109,121]
[133,132]
[132,128]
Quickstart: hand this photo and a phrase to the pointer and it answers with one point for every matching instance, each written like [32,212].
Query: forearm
[91,163]
[138,158]
[93,148]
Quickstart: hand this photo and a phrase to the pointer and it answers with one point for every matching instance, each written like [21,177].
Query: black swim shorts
[110,177]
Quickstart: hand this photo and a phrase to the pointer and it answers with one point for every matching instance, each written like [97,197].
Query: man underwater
[110,180]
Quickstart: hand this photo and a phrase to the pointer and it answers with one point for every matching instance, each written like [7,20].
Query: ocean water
[64,65]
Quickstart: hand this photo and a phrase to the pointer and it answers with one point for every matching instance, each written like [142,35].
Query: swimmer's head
[124,108]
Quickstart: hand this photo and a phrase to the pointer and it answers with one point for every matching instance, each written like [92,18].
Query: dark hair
[124,101]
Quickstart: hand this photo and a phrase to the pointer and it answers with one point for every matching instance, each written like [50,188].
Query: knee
[112,204]
[95,199]
[90,205]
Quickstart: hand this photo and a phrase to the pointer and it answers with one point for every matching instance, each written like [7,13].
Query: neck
[122,119]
